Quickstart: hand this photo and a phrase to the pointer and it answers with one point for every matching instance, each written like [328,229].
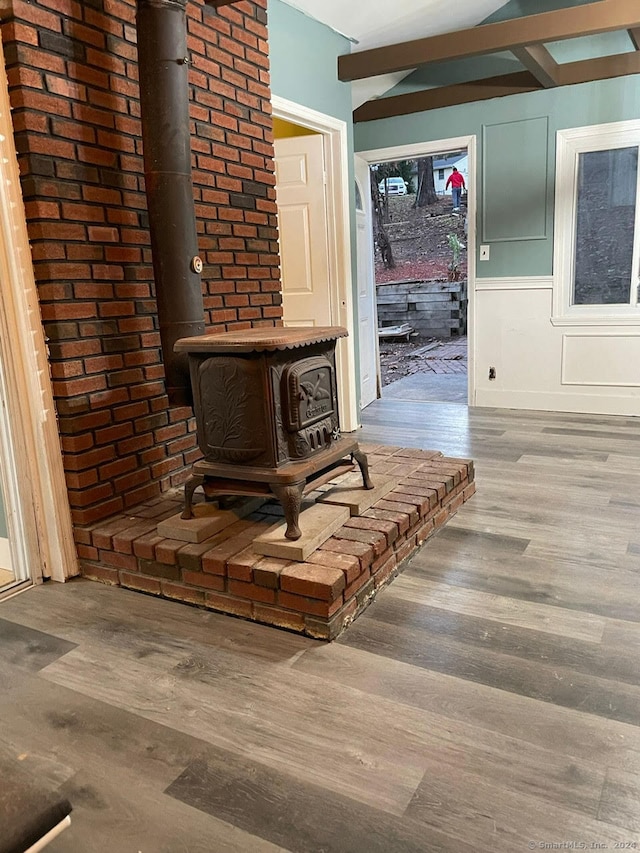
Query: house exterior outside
[443,168]
[71,77]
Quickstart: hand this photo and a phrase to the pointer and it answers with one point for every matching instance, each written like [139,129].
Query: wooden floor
[489,699]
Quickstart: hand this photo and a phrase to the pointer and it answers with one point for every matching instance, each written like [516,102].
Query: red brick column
[72,70]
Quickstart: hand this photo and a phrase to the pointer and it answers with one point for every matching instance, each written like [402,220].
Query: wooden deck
[488,700]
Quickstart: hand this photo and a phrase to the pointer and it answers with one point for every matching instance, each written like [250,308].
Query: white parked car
[395,186]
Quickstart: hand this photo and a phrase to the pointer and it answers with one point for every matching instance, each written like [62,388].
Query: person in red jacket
[457,185]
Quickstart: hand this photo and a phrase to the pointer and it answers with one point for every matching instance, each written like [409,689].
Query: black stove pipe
[164,99]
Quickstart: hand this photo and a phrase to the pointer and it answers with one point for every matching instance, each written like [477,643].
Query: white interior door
[367,311]
[302,224]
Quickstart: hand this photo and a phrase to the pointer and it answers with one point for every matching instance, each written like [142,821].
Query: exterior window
[606,214]
[441,174]
[597,224]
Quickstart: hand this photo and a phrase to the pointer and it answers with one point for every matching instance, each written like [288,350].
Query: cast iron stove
[266,409]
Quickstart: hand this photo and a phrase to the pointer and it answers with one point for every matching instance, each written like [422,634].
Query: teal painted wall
[304,61]
[570,106]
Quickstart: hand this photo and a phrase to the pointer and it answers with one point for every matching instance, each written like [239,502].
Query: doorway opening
[422,222]
[420,234]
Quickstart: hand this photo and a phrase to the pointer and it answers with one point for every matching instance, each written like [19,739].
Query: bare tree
[384,171]
[426,193]
[380,235]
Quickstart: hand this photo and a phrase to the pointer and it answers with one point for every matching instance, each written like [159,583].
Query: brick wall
[73,86]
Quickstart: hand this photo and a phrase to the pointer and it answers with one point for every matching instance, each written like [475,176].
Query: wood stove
[266,407]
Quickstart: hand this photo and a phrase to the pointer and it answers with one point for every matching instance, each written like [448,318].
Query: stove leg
[361,458]
[290,497]
[189,488]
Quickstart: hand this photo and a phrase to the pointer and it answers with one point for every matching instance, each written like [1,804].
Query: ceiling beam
[568,74]
[448,96]
[537,59]
[599,69]
[590,19]
[634,35]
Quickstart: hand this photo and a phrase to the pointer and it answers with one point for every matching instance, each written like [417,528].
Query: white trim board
[627,405]
[39,523]
[336,152]
[417,149]
[532,282]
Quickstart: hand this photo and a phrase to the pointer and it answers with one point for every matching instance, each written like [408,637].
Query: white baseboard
[561,401]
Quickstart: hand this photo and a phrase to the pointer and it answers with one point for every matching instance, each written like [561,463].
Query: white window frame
[570,144]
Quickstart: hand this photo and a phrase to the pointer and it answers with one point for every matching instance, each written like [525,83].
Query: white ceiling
[375,23]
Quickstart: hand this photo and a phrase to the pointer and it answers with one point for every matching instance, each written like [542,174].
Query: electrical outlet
[484,253]
[492,373]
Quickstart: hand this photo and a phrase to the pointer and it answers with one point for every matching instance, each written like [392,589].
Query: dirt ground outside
[419,241]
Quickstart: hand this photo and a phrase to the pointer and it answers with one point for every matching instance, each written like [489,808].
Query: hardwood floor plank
[623,638]
[71,609]
[276,715]
[114,766]
[566,732]
[556,453]
[28,648]
[497,608]
[458,558]
[303,817]
[619,803]
[594,433]
[204,681]
[559,685]
[574,587]
[555,651]
[549,528]
[493,543]
[587,473]
[474,810]
[414,745]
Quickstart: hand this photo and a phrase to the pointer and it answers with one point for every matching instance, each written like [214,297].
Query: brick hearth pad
[319,597]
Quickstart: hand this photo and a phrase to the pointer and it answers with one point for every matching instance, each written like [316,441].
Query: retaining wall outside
[436,309]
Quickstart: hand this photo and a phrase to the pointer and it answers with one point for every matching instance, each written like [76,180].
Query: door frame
[337,196]
[38,514]
[414,151]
